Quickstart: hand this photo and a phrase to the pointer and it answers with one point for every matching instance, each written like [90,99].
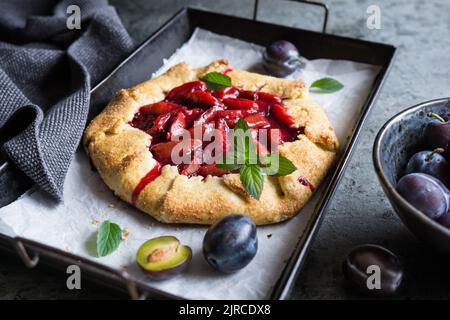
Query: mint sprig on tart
[215,80]
[253,167]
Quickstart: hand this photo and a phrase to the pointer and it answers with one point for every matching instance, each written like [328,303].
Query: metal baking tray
[148,58]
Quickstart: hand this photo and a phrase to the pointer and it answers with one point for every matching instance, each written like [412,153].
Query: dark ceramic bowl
[397,140]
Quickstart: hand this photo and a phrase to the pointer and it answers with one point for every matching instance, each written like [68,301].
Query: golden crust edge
[135,161]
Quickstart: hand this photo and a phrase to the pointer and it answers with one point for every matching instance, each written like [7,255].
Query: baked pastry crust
[121,154]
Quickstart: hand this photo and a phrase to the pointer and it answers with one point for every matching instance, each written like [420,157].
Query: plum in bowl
[402,137]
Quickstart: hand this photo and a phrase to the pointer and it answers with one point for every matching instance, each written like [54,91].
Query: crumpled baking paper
[72,225]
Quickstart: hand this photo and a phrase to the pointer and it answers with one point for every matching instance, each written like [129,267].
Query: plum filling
[305,182]
[149,177]
[193,108]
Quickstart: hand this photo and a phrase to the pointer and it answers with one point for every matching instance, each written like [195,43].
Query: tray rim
[184,10]
[293,267]
[282,290]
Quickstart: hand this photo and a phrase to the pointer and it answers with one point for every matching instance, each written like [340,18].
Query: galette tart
[130,144]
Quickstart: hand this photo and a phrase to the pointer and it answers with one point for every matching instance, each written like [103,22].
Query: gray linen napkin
[46,73]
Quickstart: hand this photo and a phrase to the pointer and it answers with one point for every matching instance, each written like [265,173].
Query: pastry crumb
[269,236]
[95,222]
[125,234]
[111,205]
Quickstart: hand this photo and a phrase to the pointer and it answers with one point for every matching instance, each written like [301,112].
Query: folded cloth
[47,68]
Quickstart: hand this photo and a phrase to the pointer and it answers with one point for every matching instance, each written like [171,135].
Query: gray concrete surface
[359,212]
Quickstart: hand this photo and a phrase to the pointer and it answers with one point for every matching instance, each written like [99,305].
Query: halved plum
[209,115]
[263,106]
[190,169]
[227,92]
[269,98]
[204,129]
[160,124]
[178,126]
[163,151]
[240,104]
[260,96]
[179,93]
[201,98]
[143,121]
[257,121]
[248,94]
[280,113]
[163,257]
[161,107]
[212,170]
[235,114]
[192,115]
[222,127]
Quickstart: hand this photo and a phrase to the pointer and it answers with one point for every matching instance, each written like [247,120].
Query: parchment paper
[72,225]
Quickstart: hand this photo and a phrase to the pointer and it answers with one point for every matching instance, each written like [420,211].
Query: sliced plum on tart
[268,173]
[195,108]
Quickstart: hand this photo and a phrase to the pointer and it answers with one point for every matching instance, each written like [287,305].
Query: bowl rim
[383,178]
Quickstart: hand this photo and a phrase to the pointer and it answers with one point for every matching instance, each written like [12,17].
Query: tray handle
[314,3]
[30,262]
[3,166]
[133,291]
[21,244]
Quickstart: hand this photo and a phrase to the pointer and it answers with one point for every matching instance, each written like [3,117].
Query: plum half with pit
[163,257]
[437,133]
[432,163]
[231,243]
[425,193]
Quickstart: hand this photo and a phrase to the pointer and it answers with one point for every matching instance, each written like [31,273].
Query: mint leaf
[241,124]
[278,167]
[286,167]
[252,172]
[325,85]
[109,237]
[252,179]
[216,80]
[239,138]
[243,139]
